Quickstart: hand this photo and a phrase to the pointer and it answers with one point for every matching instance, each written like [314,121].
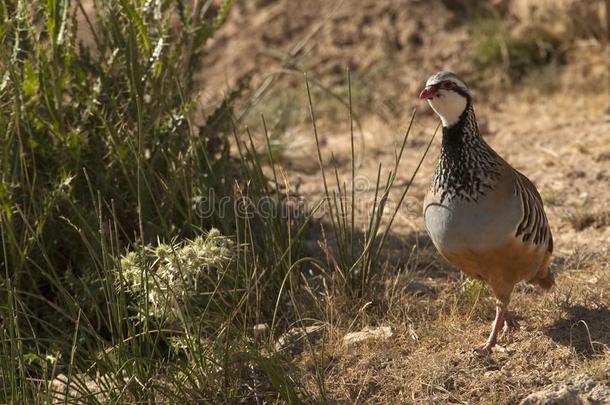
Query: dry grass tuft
[582,219]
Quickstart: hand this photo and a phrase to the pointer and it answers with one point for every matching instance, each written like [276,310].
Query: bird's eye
[447,84]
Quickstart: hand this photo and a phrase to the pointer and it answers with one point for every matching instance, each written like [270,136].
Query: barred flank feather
[534,226]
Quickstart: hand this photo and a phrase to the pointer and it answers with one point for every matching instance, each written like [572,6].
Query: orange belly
[501,267]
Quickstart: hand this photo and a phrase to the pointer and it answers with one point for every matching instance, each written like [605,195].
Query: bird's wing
[534,226]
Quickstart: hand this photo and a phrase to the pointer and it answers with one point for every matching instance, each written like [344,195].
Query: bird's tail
[545,278]
[546,282]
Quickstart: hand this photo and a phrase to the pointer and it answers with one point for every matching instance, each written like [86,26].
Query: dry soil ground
[435,318]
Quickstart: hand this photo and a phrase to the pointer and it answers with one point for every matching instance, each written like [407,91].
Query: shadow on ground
[587,330]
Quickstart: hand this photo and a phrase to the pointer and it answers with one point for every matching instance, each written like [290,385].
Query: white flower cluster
[168,275]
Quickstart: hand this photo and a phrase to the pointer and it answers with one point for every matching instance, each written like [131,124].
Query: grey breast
[458,224]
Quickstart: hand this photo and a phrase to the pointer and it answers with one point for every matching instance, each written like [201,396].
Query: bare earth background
[553,124]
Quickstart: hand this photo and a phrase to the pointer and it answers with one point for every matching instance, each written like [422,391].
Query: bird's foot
[485,350]
[481,351]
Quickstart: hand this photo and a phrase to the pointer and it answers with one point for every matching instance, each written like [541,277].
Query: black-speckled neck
[467,165]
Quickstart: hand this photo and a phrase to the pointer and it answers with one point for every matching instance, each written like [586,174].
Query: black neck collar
[465,130]
[467,166]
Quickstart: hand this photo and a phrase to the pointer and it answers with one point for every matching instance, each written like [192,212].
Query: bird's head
[448,96]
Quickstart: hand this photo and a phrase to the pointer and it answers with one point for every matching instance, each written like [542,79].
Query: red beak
[428,93]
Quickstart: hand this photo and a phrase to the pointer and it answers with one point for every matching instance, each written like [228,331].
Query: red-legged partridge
[482,215]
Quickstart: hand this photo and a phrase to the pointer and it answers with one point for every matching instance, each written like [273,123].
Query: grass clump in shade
[99,157]
[357,260]
[137,248]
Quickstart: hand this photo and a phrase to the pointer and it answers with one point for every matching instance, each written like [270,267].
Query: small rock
[260,330]
[65,390]
[581,390]
[294,340]
[368,333]
[81,388]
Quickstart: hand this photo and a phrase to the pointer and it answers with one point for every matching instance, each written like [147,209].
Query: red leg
[501,316]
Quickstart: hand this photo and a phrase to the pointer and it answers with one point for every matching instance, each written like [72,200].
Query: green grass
[496,46]
[99,157]
[138,248]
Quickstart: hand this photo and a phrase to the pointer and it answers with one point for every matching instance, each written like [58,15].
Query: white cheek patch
[449,106]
